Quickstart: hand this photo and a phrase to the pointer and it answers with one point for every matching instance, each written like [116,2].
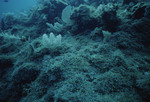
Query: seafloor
[76,51]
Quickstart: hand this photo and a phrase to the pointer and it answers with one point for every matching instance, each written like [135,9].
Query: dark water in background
[15,6]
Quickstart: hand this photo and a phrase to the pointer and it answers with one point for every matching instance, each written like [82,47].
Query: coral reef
[98,52]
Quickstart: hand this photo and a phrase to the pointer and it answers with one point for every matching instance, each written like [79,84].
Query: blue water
[16,6]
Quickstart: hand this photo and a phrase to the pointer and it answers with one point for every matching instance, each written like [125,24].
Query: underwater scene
[74,50]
